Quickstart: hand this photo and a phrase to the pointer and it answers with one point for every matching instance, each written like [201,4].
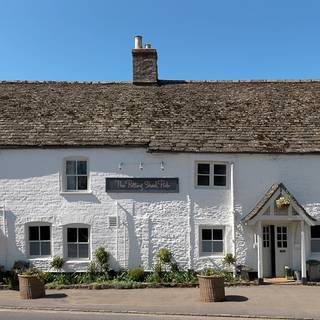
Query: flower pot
[31,287]
[211,288]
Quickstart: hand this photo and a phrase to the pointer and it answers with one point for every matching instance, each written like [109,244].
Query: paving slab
[273,301]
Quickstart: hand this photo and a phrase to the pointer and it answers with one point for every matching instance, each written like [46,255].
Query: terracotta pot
[31,287]
[211,288]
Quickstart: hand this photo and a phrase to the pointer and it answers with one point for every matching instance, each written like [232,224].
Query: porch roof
[267,197]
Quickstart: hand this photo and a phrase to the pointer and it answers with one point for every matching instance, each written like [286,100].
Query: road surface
[64,315]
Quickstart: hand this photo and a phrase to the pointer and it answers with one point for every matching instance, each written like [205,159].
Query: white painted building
[196,167]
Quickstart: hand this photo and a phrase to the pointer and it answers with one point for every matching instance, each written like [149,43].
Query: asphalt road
[62,315]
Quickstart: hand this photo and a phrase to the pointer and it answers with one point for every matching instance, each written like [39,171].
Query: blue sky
[199,39]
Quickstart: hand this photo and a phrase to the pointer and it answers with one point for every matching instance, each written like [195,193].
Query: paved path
[286,301]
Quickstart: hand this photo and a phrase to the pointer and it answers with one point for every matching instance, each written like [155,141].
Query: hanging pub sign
[143,185]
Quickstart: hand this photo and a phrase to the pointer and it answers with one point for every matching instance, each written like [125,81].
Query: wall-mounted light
[141,165]
[162,165]
[120,165]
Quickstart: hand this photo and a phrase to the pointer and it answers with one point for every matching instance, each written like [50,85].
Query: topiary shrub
[102,259]
[136,274]
[57,263]
[164,256]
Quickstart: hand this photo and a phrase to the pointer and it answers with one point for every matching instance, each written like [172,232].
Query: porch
[279,224]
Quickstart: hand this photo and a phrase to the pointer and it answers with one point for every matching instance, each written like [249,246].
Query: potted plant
[283,202]
[31,284]
[211,284]
[288,272]
[244,272]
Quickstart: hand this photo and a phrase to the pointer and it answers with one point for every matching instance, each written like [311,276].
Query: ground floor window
[211,240]
[78,242]
[39,240]
[315,239]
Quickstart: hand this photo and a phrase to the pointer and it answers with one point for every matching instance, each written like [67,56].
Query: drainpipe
[117,215]
[189,230]
[233,214]
[4,221]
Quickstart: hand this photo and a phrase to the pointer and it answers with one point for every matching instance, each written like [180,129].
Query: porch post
[303,254]
[260,255]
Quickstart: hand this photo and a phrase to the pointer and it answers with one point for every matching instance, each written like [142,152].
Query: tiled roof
[179,116]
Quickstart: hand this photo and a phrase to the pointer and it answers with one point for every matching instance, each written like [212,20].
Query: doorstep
[280,281]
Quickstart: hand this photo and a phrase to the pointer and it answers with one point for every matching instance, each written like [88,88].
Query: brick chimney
[144,62]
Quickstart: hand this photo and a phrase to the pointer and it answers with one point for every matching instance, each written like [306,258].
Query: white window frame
[314,252]
[212,175]
[212,254]
[37,224]
[66,243]
[63,188]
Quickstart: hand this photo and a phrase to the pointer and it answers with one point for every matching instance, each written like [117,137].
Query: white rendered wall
[30,190]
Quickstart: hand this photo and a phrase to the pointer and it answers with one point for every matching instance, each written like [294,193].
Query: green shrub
[229,260]
[136,274]
[57,263]
[12,278]
[102,259]
[164,256]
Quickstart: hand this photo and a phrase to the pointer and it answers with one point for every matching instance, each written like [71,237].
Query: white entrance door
[282,252]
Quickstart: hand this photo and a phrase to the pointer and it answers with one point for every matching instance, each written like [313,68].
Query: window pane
[33,233]
[220,180]
[315,245]
[206,246]
[279,244]
[82,183]
[81,167]
[278,229]
[71,182]
[315,232]
[45,248]
[72,251]
[220,169]
[217,246]
[217,234]
[72,235]
[204,168]
[206,234]
[284,244]
[83,251]
[71,167]
[279,236]
[203,180]
[45,233]
[34,248]
[83,234]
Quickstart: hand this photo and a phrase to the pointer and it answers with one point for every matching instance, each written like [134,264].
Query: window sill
[77,261]
[47,258]
[211,187]
[214,256]
[75,192]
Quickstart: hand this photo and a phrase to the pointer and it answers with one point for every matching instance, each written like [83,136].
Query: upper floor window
[76,175]
[315,239]
[39,240]
[211,174]
[211,240]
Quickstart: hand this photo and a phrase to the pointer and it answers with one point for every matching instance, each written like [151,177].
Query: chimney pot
[147,46]
[138,42]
